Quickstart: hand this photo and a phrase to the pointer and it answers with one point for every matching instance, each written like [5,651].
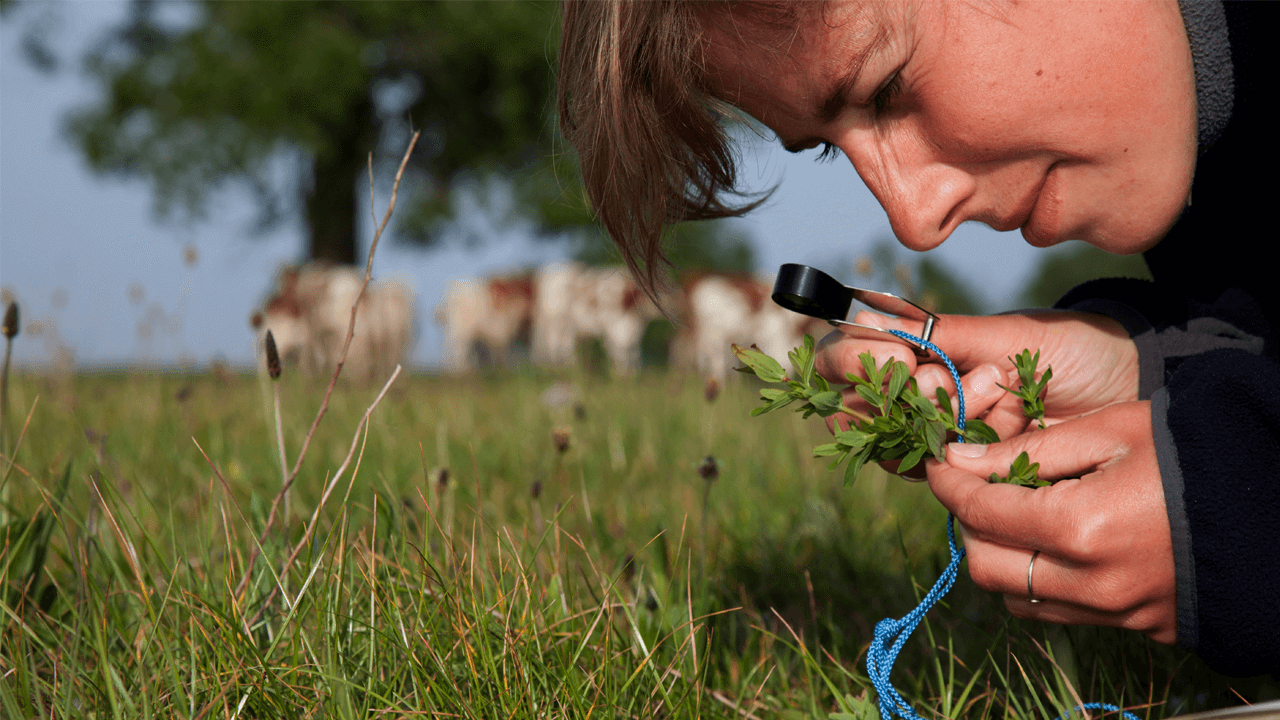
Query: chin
[1041,241]
[1127,240]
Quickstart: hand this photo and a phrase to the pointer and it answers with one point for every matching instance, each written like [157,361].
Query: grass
[468,568]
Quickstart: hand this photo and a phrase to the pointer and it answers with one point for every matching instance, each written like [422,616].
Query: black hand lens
[809,291]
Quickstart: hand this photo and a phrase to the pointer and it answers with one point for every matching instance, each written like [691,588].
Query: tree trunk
[332,220]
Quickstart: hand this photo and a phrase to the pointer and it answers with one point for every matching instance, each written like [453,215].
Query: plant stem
[284,463]
[860,417]
[4,425]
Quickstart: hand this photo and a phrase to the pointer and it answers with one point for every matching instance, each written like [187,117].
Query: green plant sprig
[1030,390]
[905,425]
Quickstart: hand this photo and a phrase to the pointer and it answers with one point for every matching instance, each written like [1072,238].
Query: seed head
[709,470]
[560,436]
[629,568]
[11,320]
[536,490]
[273,357]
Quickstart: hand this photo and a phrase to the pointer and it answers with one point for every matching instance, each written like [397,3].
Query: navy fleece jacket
[1206,331]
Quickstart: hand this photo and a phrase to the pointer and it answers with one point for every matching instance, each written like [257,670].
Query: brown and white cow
[309,311]
[486,316]
[574,302]
[721,309]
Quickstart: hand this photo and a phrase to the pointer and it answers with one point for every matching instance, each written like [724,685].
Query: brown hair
[634,102]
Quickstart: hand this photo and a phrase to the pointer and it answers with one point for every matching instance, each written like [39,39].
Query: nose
[924,197]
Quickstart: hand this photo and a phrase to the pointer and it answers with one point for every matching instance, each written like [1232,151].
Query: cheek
[973,112]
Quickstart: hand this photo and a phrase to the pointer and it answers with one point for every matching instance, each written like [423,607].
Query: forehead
[803,47]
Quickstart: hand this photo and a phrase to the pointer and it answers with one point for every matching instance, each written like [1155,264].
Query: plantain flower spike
[11,320]
[273,357]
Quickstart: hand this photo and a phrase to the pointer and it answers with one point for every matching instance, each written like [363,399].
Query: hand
[1095,364]
[1102,530]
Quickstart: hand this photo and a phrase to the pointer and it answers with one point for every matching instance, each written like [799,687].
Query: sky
[102,283]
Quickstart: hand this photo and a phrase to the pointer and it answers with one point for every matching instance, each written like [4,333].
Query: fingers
[968,340]
[1003,569]
[838,353]
[1019,516]
[996,512]
[1068,449]
[981,385]
[1058,584]
[1005,416]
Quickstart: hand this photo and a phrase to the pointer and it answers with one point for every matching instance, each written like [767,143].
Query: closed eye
[884,97]
[829,153]
[880,104]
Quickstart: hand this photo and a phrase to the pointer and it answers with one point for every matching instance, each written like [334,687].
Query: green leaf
[936,437]
[772,394]
[944,405]
[820,383]
[976,430]
[852,438]
[807,358]
[1022,472]
[898,374]
[826,403]
[765,367]
[912,459]
[873,397]
[828,449]
[923,407]
[774,405]
[874,376]
[851,470]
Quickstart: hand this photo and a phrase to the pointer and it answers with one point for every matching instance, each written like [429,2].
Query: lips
[1020,215]
[1040,228]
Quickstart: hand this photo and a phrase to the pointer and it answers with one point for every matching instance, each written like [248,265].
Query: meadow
[509,545]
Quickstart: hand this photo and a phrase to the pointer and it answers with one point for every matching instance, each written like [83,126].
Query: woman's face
[1067,120]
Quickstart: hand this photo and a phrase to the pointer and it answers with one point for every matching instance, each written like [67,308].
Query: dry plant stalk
[337,370]
[10,331]
[273,371]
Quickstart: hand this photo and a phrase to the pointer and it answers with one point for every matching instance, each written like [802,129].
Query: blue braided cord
[1105,707]
[943,356]
[890,634]
[881,655]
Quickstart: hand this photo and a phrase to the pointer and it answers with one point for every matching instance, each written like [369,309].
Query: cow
[574,302]
[485,319]
[309,310]
[720,309]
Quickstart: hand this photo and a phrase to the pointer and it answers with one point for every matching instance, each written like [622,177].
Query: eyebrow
[836,100]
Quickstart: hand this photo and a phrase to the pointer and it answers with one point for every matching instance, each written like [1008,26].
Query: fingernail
[866,317]
[986,381]
[967,450]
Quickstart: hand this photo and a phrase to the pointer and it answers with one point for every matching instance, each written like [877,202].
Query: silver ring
[1031,596]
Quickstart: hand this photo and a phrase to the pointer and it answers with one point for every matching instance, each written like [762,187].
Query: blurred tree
[1063,270]
[223,94]
[691,246]
[925,281]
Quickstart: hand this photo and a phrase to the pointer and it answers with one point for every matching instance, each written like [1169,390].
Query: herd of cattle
[545,313]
